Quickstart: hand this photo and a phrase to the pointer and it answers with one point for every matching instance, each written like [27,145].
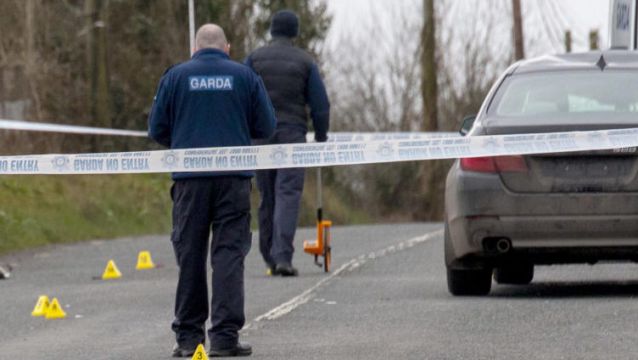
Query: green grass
[336,206]
[42,210]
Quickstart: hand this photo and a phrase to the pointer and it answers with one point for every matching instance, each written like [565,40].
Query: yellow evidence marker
[55,310]
[200,353]
[144,261]
[111,271]
[41,307]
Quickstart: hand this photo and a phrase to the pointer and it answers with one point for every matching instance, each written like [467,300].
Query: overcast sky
[580,16]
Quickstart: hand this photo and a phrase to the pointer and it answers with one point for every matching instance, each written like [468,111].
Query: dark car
[504,215]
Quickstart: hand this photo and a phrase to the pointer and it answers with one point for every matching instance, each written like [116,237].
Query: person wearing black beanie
[294,85]
[284,23]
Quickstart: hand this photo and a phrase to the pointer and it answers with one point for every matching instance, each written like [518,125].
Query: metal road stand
[320,247]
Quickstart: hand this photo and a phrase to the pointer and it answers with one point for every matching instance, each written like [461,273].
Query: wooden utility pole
[429,85]
[568,41]
[519,44]
[431,172]
[31,65]
[191,25]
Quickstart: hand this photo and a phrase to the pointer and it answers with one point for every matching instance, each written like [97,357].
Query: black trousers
[222,203]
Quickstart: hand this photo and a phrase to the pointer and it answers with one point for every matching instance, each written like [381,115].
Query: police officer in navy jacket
[210,101]
[294,84]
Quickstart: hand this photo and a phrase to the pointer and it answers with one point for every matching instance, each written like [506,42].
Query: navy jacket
[210,101]
[293,82]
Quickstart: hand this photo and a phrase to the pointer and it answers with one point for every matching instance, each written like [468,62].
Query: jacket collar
[209,53]
[282,40]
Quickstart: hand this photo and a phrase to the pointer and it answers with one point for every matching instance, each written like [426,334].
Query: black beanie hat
[284,23]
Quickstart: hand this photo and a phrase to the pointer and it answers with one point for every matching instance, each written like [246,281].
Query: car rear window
[570,92]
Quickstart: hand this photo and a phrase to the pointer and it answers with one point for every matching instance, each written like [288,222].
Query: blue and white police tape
[332,137]
[67,129]
[317,154]
[382,136]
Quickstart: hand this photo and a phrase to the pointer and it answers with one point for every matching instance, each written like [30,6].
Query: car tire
[521,274]
[448,253]
[474,282]
[464,282]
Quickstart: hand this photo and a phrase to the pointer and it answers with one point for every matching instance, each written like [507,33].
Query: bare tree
[429,83]
[375,79]
[97,44]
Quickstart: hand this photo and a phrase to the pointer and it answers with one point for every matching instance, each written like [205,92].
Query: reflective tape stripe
[317,154]
[88,130]
[68,129]
[382,136]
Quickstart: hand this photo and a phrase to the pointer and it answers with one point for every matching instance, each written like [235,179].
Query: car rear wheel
[464,282]
[469,282]
[520,274]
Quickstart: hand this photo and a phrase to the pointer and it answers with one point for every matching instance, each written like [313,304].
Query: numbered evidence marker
[111,271]
[41,307]
[200,353]
[55,311]
[144,261]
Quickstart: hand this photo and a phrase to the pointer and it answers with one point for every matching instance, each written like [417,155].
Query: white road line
[349,266]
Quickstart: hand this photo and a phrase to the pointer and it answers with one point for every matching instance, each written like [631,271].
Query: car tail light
[479,164]
[494,164]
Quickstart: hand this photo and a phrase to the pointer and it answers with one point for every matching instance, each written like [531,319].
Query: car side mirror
[466,124]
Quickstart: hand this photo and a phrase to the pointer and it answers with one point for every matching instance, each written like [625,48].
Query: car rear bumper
[479,206]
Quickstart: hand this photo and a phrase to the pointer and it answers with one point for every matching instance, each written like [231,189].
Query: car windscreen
[540,94]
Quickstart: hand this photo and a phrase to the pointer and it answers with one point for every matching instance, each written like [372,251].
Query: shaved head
[211,36]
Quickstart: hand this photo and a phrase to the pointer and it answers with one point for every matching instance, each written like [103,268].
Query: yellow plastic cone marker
[200,353]
[144,261]
[41,307]
[111,271]
[55,310]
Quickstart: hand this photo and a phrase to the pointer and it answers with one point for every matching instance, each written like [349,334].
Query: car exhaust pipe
[503,245]
[497,245]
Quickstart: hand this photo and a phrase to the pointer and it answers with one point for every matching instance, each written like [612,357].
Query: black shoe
[181,352]
[286,270]
[237,350]
[5,272]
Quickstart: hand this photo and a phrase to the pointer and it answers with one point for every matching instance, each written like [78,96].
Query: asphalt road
[386,298]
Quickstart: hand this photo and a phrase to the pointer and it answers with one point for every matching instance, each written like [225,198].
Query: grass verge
[43,210]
